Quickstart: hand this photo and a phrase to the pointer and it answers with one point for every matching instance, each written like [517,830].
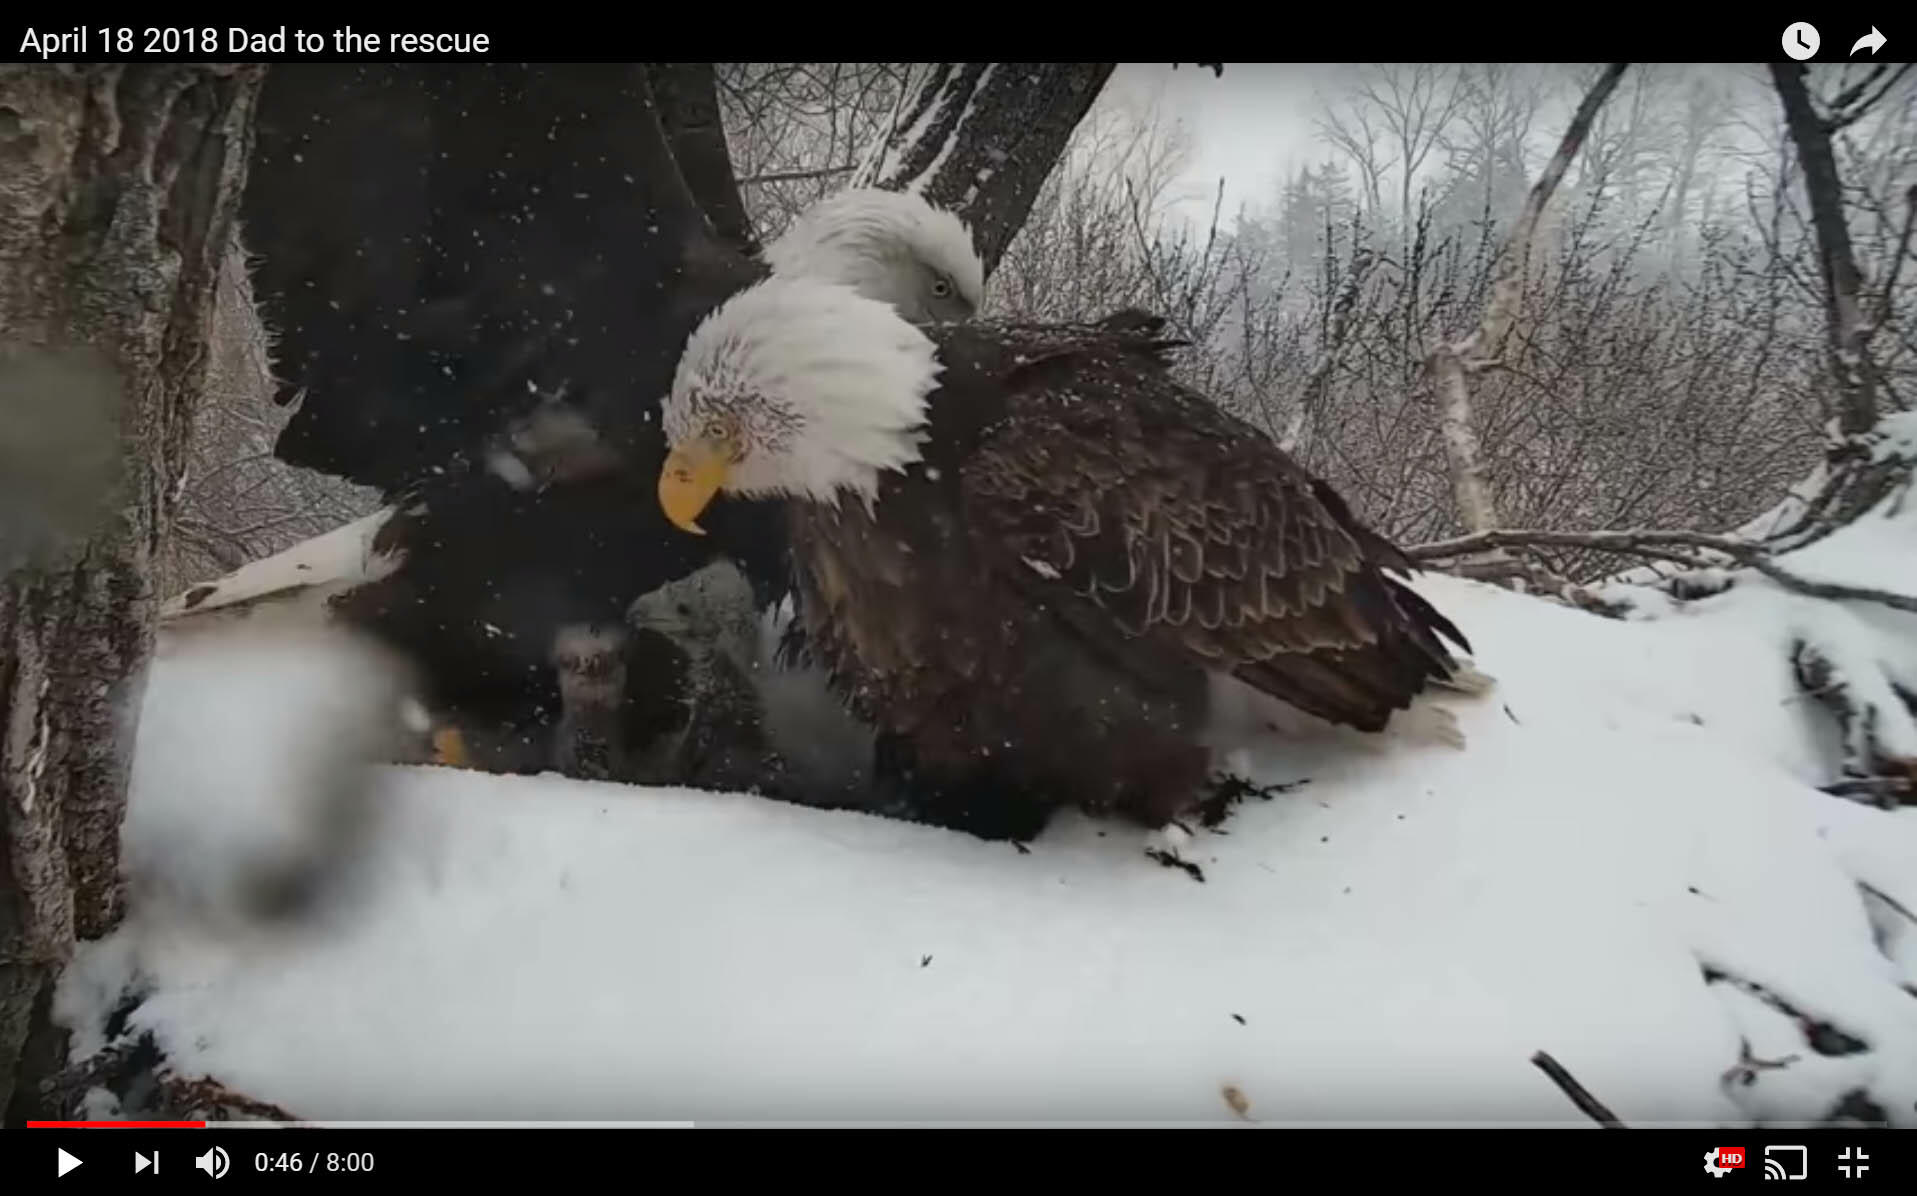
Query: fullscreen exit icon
[1851,1162]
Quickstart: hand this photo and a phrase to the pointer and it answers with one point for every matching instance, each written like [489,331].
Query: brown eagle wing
[1136,508]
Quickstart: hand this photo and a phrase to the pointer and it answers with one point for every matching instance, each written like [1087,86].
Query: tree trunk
[1843,312]
[1451,363]
[981,137]
[1860,471]
[688,101]
[118,187]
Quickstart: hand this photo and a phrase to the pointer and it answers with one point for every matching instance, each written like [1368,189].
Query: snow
[1389,943]
[233,798]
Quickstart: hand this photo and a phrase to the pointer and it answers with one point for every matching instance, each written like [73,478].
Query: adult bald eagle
[480,278]
[1021,550]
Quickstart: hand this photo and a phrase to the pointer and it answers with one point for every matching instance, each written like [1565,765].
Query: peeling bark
[981,137]
[118,187]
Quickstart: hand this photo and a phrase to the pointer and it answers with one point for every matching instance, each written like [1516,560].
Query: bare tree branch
[1843,115]
[1580,1096]
[1665,545]
[790,176]
[1902,251]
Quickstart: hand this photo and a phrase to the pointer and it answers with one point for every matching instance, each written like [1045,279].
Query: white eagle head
[795,388]
[892,246]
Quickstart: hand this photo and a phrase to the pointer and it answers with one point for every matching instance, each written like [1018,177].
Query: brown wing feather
[1109,488]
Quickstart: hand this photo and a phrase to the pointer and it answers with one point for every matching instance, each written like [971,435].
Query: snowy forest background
[1732,937]
[1669,371]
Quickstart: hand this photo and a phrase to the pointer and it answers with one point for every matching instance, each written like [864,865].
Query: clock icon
[1800,40]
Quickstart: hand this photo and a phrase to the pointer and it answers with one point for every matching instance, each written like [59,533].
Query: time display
[313,1161]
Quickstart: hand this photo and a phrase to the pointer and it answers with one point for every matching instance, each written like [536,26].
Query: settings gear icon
[1710,1165]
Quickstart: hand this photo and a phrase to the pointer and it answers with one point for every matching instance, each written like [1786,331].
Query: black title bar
[1677,35]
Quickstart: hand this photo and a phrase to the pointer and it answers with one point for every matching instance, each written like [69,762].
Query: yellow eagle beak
[692,474]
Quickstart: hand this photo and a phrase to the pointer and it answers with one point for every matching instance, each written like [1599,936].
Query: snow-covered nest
[1627,867]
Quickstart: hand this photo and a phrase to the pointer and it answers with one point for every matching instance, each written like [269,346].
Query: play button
[67,1162]
[140,1162]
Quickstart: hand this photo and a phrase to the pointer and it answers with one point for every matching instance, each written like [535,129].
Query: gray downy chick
[709,616]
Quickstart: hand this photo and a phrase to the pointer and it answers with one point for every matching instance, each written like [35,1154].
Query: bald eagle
[481,324]
[891,246]
[1024,552]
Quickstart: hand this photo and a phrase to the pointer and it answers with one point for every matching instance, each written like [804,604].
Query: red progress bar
[116,1125]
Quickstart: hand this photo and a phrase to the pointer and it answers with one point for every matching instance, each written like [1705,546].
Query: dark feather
[441,245]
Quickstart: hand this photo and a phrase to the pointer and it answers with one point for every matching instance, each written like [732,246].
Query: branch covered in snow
[793,176]
[1876,717]
[1662,545]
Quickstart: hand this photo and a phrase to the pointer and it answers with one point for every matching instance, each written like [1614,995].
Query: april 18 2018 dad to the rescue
[83,40]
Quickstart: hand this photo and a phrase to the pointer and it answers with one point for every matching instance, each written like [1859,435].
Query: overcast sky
[1255,125]
[1249,127]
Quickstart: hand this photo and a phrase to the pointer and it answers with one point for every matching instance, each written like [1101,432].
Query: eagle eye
[941,288]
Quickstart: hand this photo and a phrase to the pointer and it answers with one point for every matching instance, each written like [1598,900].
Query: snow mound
[254,775]
[1626,866]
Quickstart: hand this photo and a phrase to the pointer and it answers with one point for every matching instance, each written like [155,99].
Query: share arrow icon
[1873,40]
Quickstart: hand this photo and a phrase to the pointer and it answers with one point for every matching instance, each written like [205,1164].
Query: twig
[1843,120]
[1884,792]
[1850,95]
[790,176]
[1887,899]
[1744,1074]
[1811,694]
[1589,1105]
[1665,545]
[1897,260]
